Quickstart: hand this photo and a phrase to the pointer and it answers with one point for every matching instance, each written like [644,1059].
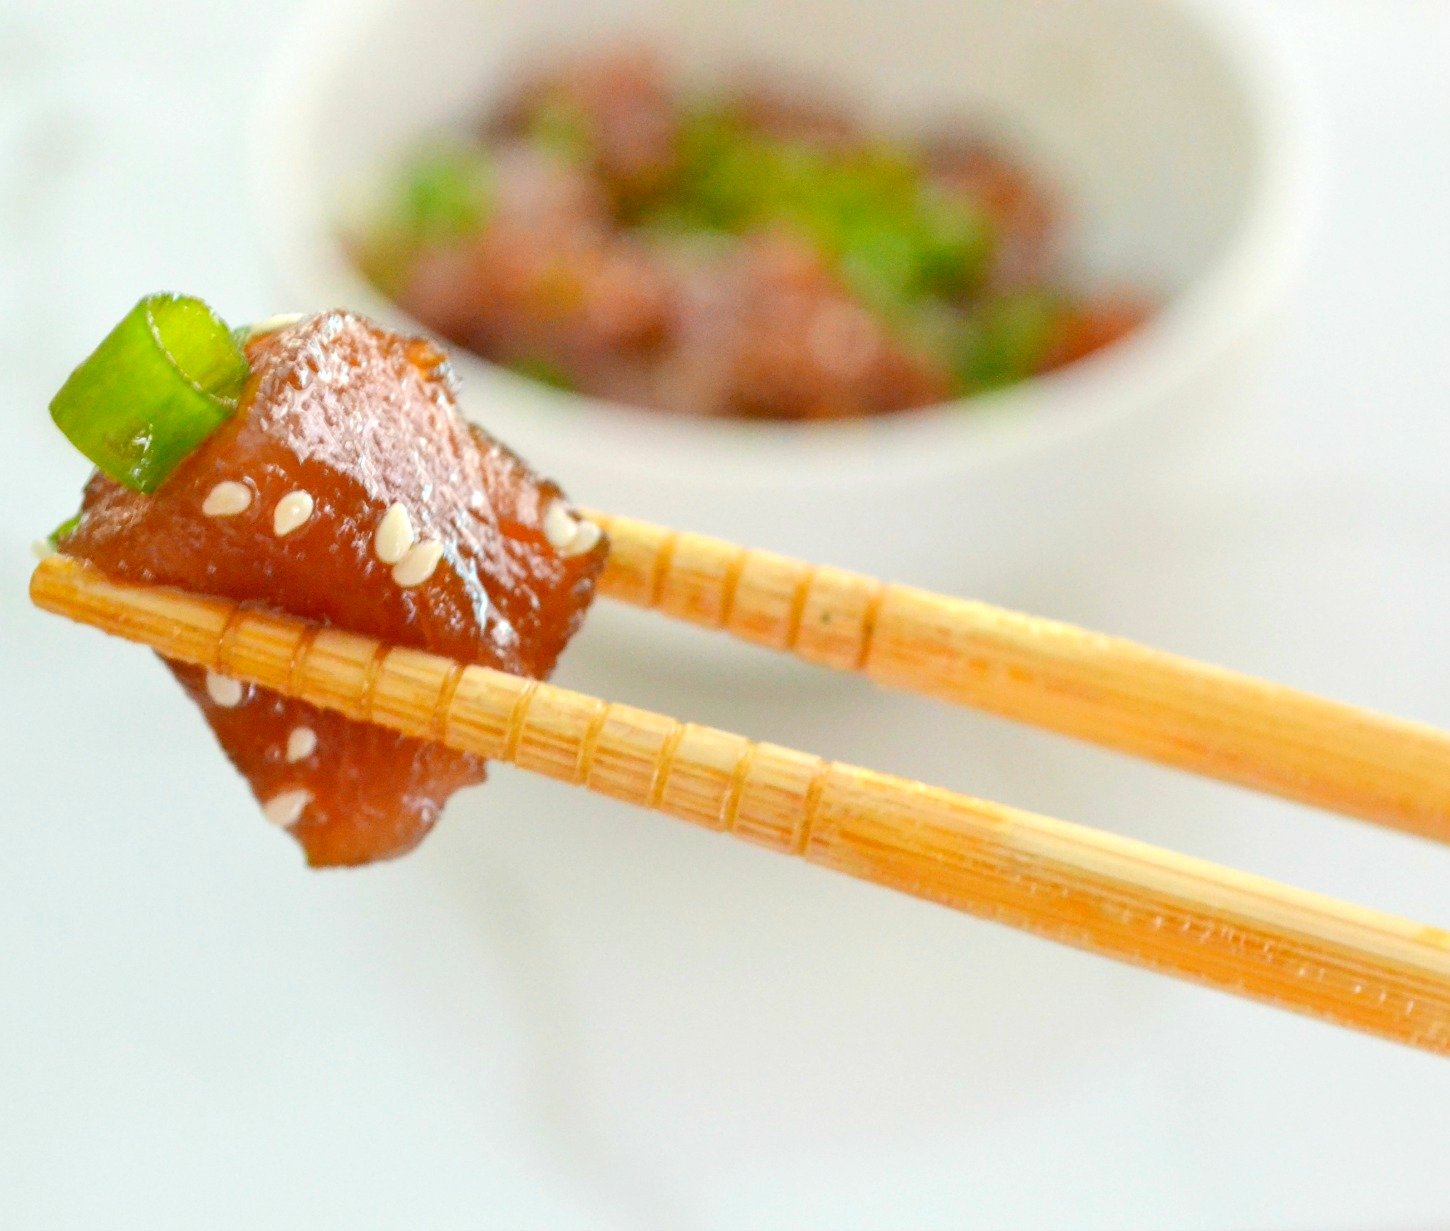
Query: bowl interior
[1138,111]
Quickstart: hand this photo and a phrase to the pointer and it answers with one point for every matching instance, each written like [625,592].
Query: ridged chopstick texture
[1110,895]
[1101,689]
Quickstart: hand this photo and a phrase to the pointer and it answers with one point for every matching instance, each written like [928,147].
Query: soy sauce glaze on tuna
[342,487]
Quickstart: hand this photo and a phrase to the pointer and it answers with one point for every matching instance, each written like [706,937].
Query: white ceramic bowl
[1168,128]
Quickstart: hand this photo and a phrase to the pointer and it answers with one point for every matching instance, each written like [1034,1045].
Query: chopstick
[1101,689]
[1109,895]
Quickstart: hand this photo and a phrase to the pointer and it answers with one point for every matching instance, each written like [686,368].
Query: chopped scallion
[65,527]
[442,195]
[1008,339]
[159,384]
[546,372]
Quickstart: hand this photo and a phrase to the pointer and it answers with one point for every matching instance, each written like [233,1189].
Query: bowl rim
[1217,309]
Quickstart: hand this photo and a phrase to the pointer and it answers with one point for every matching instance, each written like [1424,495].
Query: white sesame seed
[224,690]
[301,744]
[567,534]
[285,808]
[227,499]
[292,511]
[394,534]
[587,535]
[417,566]
[271,324]
[559,526]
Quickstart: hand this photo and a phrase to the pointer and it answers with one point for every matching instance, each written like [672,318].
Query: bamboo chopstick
[1113,896]
[1101,689]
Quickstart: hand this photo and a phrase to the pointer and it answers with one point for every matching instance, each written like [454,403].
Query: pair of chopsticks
[1110,895]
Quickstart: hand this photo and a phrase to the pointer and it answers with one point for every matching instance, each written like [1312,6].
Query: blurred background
[560,1013]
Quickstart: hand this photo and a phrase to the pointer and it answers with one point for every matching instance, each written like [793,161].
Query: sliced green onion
[446,192]
[872,211]
[546,371]
[443,194]
[65,527]
[1008,340]
[159,384]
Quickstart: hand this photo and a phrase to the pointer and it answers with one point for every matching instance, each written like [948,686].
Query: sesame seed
[292,511]
[559,526]
[417,566]
[224,690]
[227,499]
[271,324]
[567,534]
[584,539]
[394,535]
[301,744]
[285,808]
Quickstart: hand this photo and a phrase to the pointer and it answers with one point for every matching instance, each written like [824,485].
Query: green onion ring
[159,384]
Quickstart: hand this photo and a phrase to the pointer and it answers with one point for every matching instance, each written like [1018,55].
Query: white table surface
[196,1032]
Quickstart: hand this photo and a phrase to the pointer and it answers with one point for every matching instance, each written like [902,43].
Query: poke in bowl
[818,283]
[751,249]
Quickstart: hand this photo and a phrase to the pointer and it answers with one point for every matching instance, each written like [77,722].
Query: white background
[502,1031]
